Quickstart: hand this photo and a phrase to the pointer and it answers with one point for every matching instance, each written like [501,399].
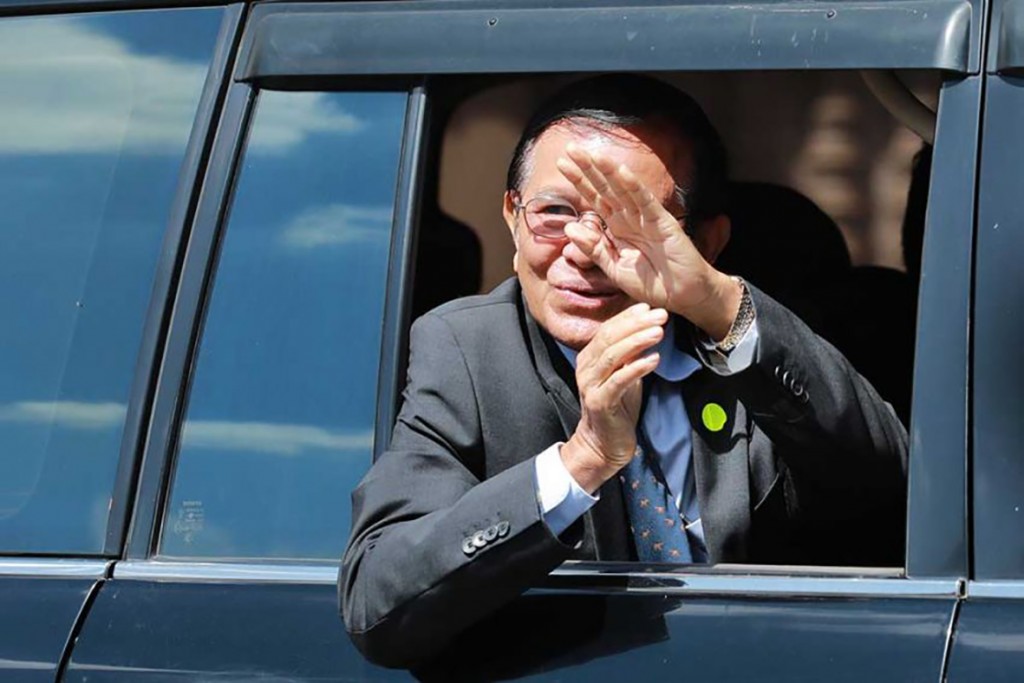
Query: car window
[95,115]
[819,208]
[280,416]
[827,216]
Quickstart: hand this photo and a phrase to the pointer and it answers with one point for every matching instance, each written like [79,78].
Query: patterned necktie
[658,527]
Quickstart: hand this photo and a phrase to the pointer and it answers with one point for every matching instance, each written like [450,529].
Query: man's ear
[712,235]
[508,210]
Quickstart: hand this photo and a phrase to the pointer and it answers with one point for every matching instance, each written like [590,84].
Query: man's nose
[576,257]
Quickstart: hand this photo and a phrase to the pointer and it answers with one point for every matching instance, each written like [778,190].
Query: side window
[279,423]
[95,116]
[826,213]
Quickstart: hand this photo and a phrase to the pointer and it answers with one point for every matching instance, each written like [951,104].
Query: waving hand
[640,245]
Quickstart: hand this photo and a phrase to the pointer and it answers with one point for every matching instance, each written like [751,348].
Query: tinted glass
[95,114]
[279,424]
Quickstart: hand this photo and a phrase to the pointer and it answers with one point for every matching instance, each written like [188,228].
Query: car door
[280,372]
[96,111]
[988,644]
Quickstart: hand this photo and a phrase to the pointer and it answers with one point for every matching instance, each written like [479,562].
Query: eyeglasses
[547,216]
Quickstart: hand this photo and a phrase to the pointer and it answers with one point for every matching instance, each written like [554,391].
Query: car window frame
[937,535]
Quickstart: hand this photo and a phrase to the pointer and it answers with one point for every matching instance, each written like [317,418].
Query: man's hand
[609,371]
[644,249]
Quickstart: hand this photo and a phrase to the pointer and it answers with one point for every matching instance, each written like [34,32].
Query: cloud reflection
[264,437]
[95,95]
[338,224]
[287,119]
[70,414]
[259,437]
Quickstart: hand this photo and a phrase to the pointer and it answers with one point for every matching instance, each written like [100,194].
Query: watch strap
[741,324]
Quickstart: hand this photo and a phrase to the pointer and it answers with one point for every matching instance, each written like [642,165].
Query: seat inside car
[784,244]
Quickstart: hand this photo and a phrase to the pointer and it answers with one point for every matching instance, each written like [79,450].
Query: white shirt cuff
[562,500]
[740,358]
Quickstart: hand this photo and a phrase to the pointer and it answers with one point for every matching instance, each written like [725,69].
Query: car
[219,219]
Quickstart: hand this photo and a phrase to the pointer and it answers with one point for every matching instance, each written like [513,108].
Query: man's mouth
[586,291]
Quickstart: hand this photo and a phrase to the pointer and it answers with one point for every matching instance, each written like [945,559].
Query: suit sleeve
[411,577]
[843,445]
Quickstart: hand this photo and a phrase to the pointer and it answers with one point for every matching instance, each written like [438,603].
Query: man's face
[566,292]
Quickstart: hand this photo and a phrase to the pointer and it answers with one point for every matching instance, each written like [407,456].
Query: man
[619,399]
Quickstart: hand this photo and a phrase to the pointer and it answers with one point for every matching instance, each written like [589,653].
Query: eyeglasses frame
[520,207]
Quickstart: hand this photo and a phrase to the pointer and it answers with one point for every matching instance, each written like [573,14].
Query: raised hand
[609,371]
[641,246]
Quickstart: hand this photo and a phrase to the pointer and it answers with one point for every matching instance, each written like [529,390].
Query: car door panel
[170,631]
[186,629]
[37,616]
[989,642]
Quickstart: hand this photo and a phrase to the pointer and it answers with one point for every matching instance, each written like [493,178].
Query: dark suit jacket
[809,469]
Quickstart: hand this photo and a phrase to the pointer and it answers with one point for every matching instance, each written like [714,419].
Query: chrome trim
[1013,590]
[186,572]
[954,617]
[53,568]
[739,580]
[587,577]
[576,567]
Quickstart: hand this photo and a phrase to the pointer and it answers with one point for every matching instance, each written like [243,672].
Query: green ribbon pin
[714,417]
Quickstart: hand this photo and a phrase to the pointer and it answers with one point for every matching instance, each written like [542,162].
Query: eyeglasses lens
[548,217]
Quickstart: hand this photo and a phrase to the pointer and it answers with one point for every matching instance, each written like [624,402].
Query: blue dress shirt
[666,425]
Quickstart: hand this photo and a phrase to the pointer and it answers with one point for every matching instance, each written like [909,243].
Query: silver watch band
[744,319]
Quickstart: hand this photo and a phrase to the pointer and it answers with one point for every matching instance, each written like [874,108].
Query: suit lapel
[606,526]
[720,459]
[554,371]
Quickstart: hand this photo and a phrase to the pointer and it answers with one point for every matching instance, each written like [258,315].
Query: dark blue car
[217,220]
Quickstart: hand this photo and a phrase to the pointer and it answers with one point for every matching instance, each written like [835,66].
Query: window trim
[401,266]
[64,568]
[329,39]
[721,581]
[937,496]
[186,301]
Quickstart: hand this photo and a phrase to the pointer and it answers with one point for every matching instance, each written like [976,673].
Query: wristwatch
[744,319]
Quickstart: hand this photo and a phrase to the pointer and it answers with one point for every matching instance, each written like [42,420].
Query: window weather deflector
[1010,51]
[316,39]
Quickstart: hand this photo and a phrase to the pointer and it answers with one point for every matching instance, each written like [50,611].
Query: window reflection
[95,115]
[279,425]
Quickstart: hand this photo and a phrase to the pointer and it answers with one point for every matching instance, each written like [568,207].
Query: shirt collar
[675,365]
